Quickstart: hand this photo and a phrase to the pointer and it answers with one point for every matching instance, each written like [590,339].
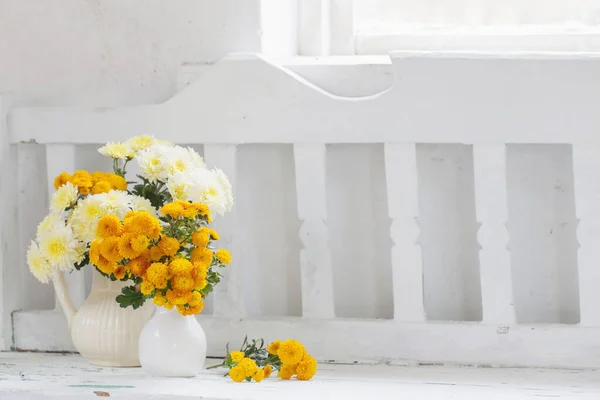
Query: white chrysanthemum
[60,248]
[64,197]
[160,162]
[179,159]
[203,186]
[49,223]
[117,150]
[143,204]
[152,162]
[117,202]
[140,142]
[38,264]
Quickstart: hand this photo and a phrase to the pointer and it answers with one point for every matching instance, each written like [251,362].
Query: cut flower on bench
[255,362]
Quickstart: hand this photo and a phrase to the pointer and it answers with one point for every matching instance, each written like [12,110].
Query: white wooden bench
[485,102]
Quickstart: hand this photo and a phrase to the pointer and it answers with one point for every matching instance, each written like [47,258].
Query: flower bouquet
[152,237]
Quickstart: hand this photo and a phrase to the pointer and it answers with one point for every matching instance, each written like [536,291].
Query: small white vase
[102,331]
[172,345]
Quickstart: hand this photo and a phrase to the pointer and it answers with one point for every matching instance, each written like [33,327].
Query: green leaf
[130,297]
[83,262]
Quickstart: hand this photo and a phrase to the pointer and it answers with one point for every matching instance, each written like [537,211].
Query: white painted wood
[42,330]
[40,376]
[314,28]
[403,209]
[492,214]
[228,294]
[542,225]
[8,226]
[279,28]
[587,200]
[451,84]
[342,27]
[470,343]
[59,158]
[315,257]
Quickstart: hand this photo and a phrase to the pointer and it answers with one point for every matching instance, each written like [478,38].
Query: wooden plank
[285,108]
[492,213]
[315,257]
[34,376]
[59,158]
[586,165]
[227,298]
[9,283]
[390,341]
[403,209]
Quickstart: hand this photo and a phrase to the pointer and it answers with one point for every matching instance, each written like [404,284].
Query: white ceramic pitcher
[103,332]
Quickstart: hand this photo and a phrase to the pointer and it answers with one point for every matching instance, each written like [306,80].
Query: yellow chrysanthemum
[237,356]
[125,248]
[249,366]
[179,298]
[106,266]
[181,266]
[101,187]
[200,284]
[116,150]
[109,249]
[117,182]
[237,374]
[140,243]
[155,253]
[196,299]
[169,246]
[160,300]
[259,375]
[185,310]
[189,211]
[182,283]
[61,179]
[201,237]
[306,368]
[98,176]
[199,272]
[157,274]
[139,265]
[202,256]
[268,369]
[213,234]
[143,223]
[290,352]
[94,251]
[274,347]
[286,371]
[83,180]
[223,255]
[173,210]
[202,209]
[109,225]
[120,272]
[146,288]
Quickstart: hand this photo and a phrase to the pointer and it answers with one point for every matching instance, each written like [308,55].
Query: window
[345,27]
